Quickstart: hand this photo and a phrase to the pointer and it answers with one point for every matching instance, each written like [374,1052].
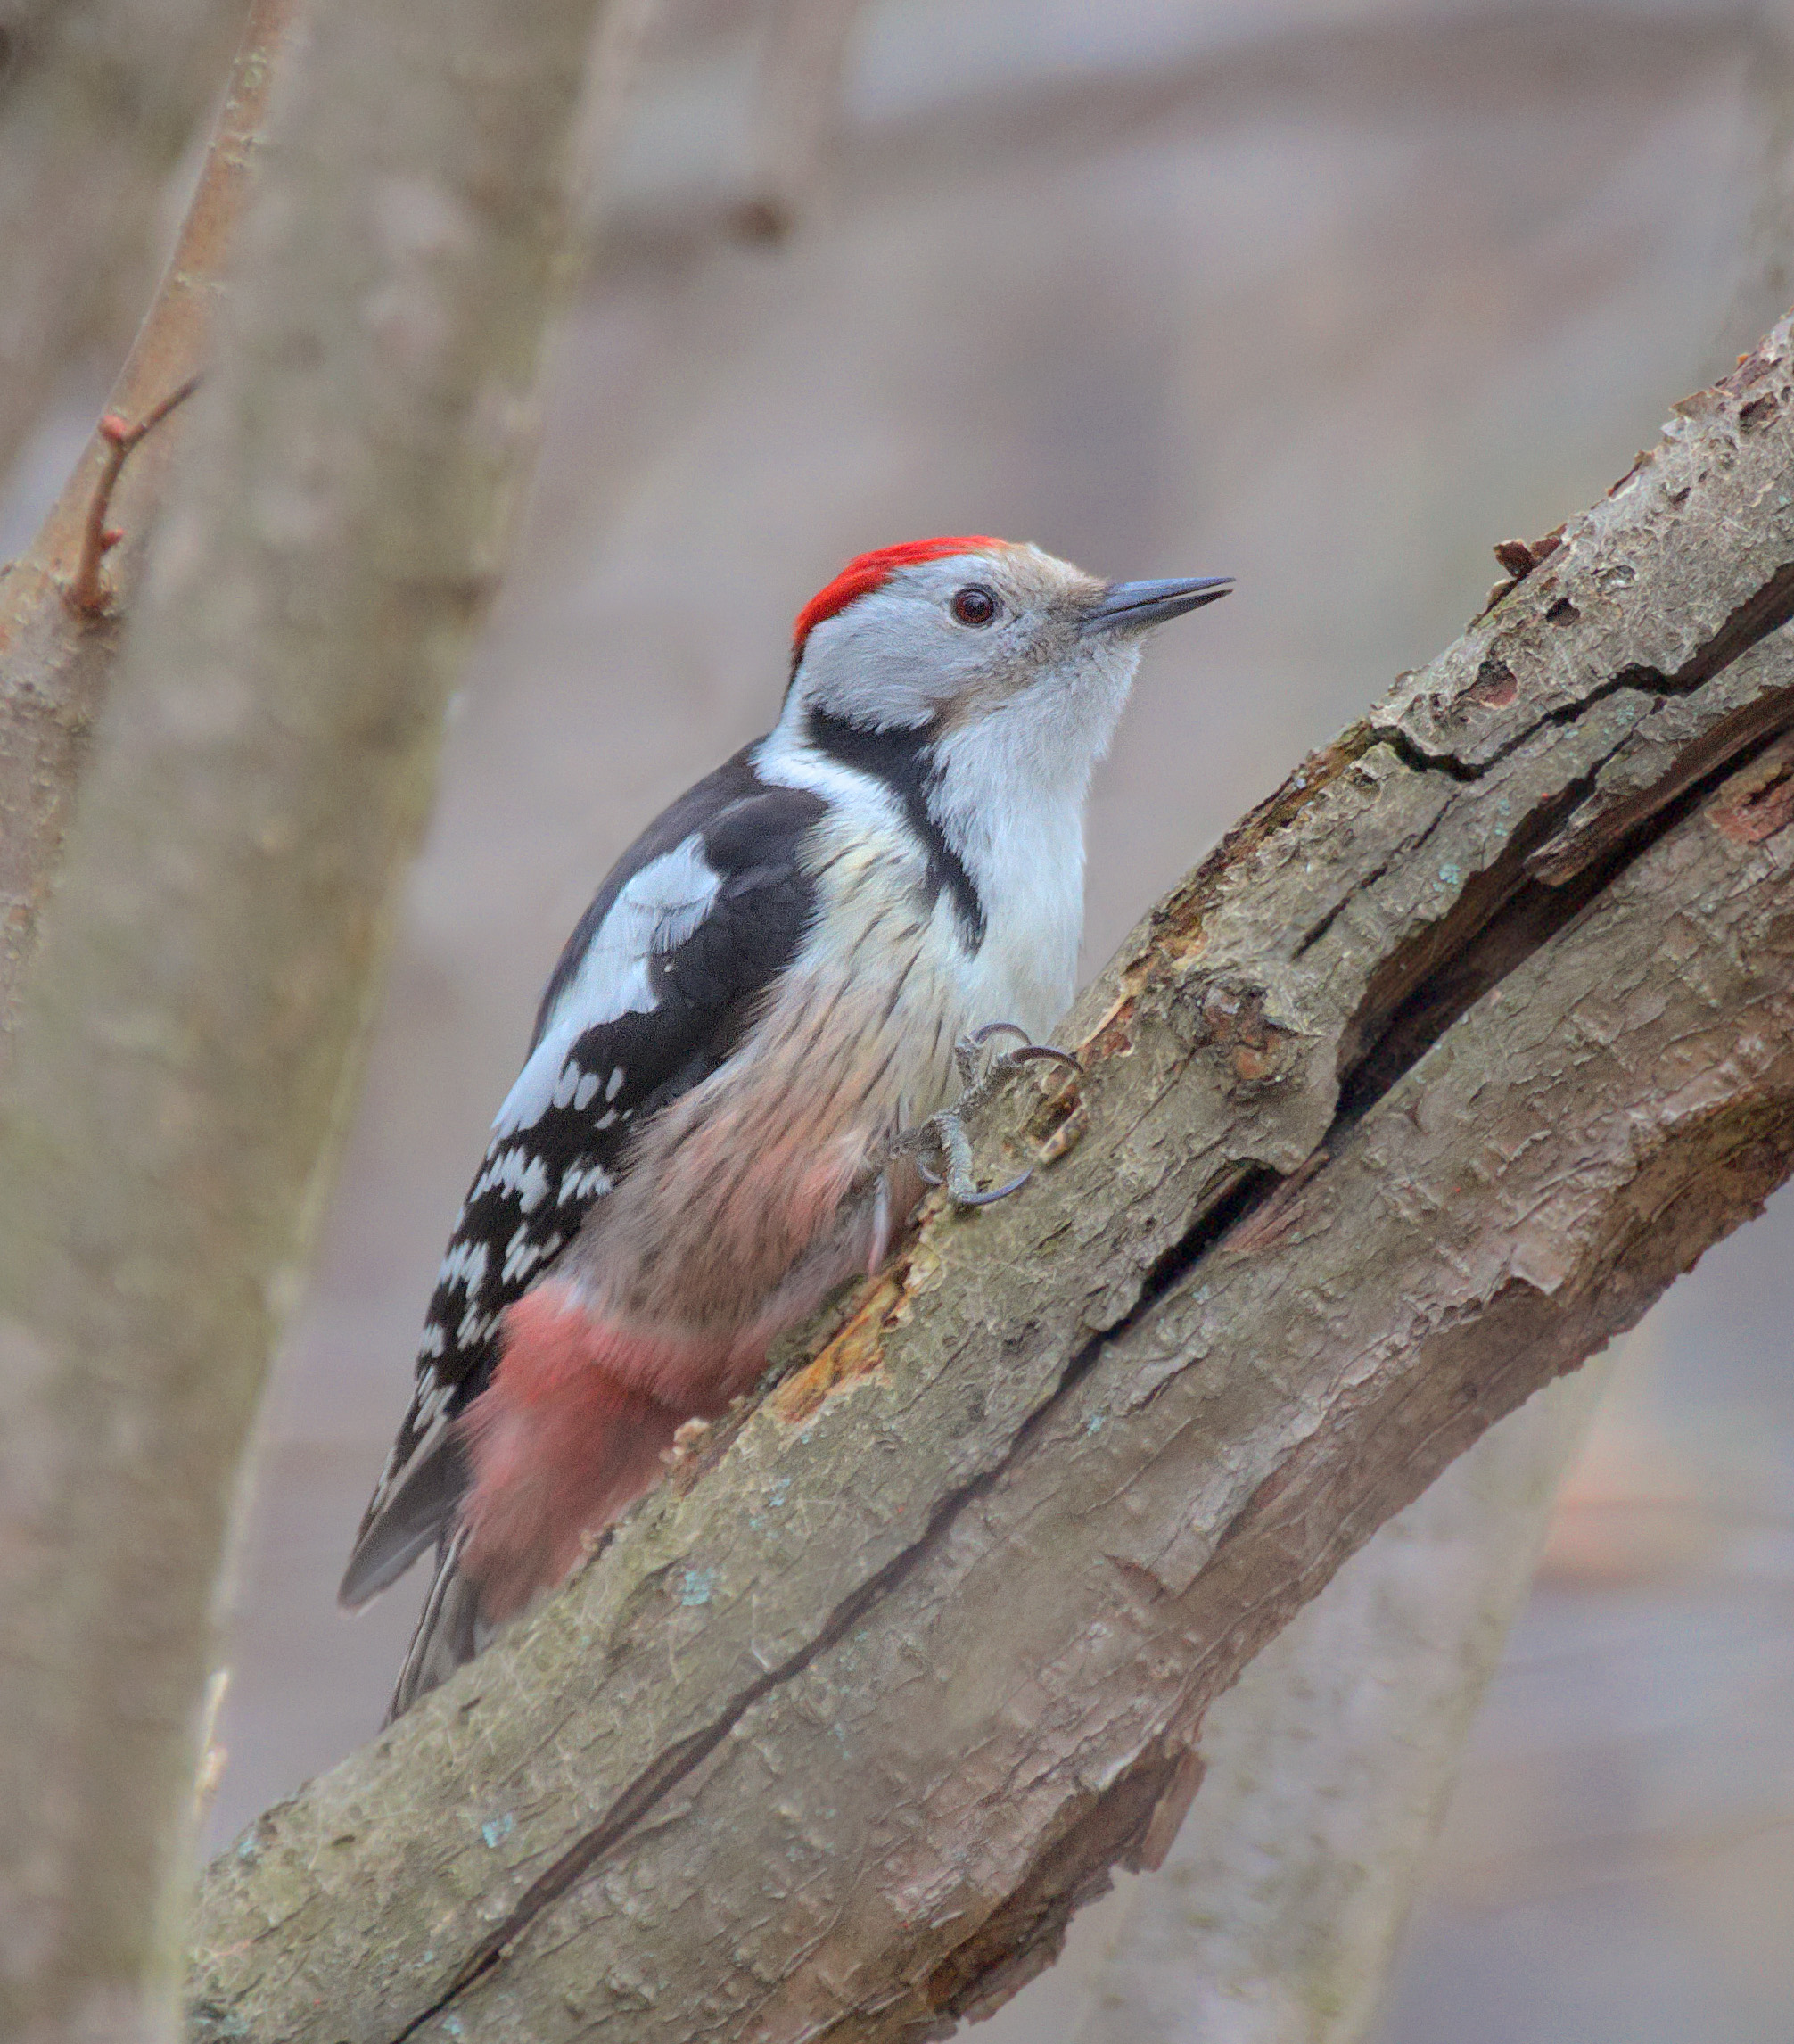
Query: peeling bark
[1419,1089]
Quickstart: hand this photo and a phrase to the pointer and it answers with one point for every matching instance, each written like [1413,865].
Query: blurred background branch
[192,1030]
[98,101]
[799,111]
[57,649]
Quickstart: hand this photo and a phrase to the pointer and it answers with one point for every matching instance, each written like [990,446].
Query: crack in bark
[1413,755]
[1313,935]
[1530,912]
[1766,609]
[1511,920]
[1712,753]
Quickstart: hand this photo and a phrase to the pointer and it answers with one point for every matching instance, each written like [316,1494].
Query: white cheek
[896,653]
[1080,707]
[1013,804]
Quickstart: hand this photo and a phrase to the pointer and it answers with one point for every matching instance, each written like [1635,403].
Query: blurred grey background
[1327,296]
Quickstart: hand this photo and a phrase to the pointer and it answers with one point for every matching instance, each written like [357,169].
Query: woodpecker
[746,1052]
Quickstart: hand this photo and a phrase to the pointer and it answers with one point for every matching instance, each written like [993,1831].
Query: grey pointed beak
[1132,606]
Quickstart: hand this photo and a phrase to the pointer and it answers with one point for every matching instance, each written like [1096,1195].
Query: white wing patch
[433,1394]
[658,908]
[467,1262]
[523,1253]
[517,1171]
[473,1327]
[584,1180]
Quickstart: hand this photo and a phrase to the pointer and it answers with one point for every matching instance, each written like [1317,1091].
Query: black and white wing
[654,990]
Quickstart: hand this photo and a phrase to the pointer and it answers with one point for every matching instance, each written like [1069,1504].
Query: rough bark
[1413,1095]
[1327,1768]
[55,664]
[97,100]
[194,1011]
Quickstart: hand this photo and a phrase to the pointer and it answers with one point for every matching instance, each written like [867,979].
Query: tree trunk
[1422,1087]
[194,1017]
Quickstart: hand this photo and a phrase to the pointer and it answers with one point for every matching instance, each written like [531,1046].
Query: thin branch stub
[86,594]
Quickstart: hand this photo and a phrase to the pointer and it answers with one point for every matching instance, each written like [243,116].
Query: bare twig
[87,590]
[53,664]
[102,97]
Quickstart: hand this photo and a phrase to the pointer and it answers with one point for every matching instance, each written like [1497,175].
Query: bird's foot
[941,1139]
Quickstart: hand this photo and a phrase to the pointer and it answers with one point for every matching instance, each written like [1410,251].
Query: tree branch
[798,112]
[1414,1094]
[56,663]
[195,1015]
[97,100]
[1327,1768]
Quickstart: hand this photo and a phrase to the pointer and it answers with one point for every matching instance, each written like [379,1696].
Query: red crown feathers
[866,571]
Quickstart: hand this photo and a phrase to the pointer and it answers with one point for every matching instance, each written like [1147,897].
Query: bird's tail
[450,1631]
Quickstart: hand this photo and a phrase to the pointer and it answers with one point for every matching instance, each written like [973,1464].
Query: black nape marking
[904,761]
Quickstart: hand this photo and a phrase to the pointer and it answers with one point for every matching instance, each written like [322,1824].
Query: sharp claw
[983,1036]
[945,1134]
[975,1198]
[1048,1051]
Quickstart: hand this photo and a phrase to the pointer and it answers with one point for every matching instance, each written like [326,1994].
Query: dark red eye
[975,604]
